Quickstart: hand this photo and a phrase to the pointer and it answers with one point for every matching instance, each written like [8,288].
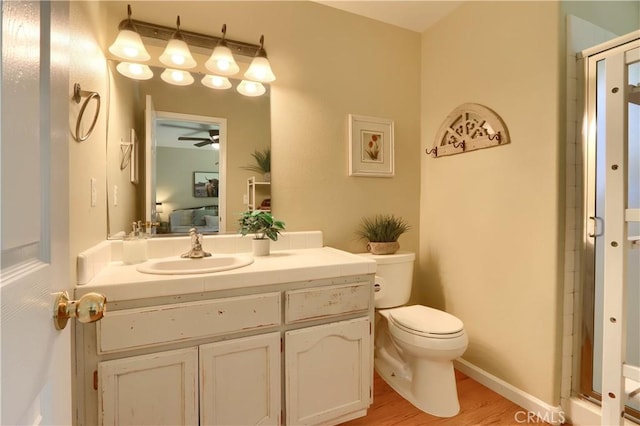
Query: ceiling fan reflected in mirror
[213,138]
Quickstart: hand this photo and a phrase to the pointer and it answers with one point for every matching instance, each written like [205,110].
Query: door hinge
[370,328]
[281,345]
[95,379]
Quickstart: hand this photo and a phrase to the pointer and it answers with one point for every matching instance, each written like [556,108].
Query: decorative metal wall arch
[467,128]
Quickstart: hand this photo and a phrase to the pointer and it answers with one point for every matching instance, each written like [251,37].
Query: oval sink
[176,265]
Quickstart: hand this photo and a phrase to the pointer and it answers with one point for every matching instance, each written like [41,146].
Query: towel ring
[78,97]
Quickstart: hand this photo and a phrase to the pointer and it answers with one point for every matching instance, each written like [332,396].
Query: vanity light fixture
[177,57]
[216,82]
[177,53]
[251,88]
[260,68]
[177,77]
[222,61]
[128,44]
[134,70]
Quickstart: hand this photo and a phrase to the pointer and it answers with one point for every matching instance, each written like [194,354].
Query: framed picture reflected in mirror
[205,184]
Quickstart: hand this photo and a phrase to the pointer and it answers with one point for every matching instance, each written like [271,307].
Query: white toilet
[415,345]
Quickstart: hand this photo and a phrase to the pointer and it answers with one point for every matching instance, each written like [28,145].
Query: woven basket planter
[383,248]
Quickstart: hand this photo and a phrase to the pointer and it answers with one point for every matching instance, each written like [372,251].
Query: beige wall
[87,159]
[491,220]
[331,64]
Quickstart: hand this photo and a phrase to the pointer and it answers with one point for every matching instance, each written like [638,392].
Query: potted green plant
[262,163]
[264,226]
[382,231]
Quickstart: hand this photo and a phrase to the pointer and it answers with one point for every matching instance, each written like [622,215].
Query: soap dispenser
[134,245]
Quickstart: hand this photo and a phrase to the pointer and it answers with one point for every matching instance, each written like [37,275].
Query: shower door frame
[616,244]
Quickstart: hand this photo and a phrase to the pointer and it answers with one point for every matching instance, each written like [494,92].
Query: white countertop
[119,281]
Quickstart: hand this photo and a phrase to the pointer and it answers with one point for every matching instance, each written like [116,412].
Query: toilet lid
[423,319]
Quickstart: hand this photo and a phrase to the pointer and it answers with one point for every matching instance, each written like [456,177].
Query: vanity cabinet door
[328,372]
[240,381]
[155,389]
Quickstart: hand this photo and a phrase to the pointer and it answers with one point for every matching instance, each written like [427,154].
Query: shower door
[611,263]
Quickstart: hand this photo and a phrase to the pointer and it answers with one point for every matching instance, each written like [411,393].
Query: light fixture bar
[146,29]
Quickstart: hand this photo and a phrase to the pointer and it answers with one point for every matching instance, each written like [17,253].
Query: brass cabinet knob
[89,308]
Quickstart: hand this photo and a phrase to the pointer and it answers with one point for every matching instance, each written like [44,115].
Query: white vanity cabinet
[283,354]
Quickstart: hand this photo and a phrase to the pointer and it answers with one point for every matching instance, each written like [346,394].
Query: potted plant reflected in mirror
[382,232]
[264,226]
[262,163]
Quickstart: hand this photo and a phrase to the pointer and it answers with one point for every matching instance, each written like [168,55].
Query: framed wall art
[205,184]
[370,146]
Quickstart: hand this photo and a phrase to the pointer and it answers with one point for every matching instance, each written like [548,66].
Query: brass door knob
[89,308]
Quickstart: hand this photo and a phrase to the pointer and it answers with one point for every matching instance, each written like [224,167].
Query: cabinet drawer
[321,302]
[155,325]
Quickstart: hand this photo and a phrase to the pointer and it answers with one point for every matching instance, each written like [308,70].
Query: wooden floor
[478,406]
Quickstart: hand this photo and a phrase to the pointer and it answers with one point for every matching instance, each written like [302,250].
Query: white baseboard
[554,415]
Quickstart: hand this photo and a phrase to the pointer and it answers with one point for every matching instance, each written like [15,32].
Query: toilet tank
[394,277]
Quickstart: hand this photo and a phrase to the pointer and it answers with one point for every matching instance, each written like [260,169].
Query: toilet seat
[427,322]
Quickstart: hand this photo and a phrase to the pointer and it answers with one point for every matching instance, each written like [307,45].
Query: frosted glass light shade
[177,55]
[135,71]
[128,46]
[260,70]
[251,88]
[177,77]
[216,82]
[222,61]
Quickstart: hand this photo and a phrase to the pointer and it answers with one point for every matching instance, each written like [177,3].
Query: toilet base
[434,391]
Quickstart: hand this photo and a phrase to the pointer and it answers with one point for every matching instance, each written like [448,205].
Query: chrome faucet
[196,251]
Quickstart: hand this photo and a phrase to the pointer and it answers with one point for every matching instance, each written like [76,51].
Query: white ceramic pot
[261,247]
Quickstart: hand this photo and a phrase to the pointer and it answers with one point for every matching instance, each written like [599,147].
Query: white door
[613,205]
[35,370]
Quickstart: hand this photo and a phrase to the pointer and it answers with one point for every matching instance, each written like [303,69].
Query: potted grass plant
[262,163]
[382,233]
[264,226]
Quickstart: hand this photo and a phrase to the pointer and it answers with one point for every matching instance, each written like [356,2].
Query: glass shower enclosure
[610,359]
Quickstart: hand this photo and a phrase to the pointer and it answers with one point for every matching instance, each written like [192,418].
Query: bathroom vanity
[286,339]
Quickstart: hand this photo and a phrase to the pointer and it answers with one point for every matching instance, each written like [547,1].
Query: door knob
[89,308]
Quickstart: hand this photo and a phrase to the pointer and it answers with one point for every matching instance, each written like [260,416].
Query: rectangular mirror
[248,130]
